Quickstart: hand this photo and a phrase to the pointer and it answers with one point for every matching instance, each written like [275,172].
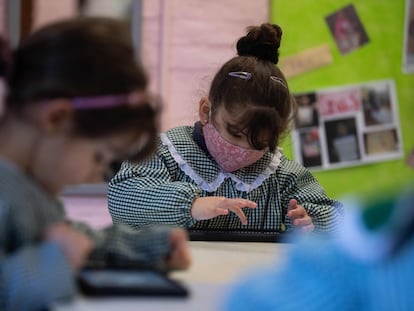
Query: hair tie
[240,74]
[134,99]
[278,80]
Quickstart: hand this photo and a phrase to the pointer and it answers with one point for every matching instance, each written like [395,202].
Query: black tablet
[238,235]
[128,282]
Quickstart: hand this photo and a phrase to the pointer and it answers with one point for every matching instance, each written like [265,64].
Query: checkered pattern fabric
[33,273]
[162,189]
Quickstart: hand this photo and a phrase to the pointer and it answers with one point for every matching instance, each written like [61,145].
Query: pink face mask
[228,156]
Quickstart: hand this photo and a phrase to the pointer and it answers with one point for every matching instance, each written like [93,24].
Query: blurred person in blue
[77,101]
[366,265]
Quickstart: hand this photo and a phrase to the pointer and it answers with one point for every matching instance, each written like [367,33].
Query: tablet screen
[128,282]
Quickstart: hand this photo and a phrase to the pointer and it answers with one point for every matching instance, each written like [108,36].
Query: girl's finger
[239,214]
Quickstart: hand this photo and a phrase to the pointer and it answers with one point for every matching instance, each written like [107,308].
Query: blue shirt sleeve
[312,277]
[34,277]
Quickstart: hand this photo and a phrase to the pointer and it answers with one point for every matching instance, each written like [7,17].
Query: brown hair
[83,57]
[265,104]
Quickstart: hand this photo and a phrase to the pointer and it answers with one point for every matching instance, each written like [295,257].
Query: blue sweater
[361,268]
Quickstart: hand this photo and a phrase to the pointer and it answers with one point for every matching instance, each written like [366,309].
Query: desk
[215,266]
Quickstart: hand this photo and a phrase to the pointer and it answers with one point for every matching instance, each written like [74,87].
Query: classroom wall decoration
[408,48]
[379,159]
[307,60]
[347,125]
[347,29]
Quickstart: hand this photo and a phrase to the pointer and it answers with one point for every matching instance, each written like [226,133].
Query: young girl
[227,171]
[76,102]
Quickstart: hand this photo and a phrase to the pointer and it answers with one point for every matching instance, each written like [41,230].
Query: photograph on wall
[310,147]
[347,29]
[342,140]
[347,126]
[377,142]
[376,104]
[307,114]
[408,48]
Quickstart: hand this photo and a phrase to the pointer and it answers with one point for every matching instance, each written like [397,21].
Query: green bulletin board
[304,27]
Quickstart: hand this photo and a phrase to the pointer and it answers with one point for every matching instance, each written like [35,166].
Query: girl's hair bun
[262,42]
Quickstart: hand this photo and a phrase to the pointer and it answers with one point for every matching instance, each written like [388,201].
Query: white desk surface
[216,265]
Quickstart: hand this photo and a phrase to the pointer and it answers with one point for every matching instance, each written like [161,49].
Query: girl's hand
[179,257]
[299,217]
[210,207]
[75,245]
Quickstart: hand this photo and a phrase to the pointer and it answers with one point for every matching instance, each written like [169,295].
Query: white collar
[221,176]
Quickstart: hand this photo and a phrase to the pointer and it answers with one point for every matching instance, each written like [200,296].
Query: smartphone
[128,282]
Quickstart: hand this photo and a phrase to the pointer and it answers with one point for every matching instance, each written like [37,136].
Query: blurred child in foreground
[76,102]
[367,266]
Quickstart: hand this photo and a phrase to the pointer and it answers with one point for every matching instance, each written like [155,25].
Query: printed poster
[346,126]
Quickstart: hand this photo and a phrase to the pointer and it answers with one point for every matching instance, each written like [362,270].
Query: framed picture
[347,125]
[347,29]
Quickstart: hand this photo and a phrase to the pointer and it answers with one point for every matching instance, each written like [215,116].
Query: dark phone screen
[114,282]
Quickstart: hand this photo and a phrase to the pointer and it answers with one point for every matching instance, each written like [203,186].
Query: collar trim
[215,184]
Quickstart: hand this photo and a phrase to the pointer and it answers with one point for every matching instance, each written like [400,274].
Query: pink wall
[46,11]
[185,42]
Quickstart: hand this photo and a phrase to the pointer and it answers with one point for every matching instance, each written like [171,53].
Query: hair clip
[240,74]
[278,80]
[134,99]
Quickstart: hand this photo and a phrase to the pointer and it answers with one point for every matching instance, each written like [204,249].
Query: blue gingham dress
[162,189]
[33,272]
